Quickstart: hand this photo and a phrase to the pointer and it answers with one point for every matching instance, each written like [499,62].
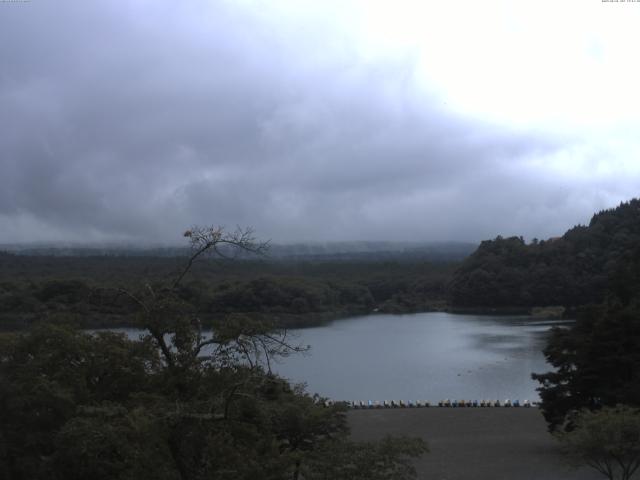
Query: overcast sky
[315,120]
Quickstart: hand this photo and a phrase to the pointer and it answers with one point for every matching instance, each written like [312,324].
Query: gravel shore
[474,443]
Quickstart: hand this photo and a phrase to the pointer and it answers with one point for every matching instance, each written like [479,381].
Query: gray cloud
[135,121]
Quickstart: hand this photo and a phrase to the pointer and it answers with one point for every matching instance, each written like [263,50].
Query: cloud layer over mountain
[131,121]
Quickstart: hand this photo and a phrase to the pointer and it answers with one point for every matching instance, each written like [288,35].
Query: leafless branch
[204,239]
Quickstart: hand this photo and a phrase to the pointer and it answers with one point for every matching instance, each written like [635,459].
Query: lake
[423,356]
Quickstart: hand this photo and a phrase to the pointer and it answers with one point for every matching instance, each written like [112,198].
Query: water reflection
[422,356]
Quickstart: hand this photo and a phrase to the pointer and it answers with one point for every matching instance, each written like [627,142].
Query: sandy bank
[474,443]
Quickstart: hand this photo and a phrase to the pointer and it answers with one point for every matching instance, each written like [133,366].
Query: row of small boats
[447,403]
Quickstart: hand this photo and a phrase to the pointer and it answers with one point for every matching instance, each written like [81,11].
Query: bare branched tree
[177,330]
[206,240]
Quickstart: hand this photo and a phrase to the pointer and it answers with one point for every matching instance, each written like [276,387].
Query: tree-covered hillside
[86,288]
[571,270]
[597,360]
[177,403]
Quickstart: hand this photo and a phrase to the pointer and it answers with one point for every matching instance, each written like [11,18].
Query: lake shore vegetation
[77,405]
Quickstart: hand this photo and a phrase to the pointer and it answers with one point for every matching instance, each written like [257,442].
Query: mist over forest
[442,196]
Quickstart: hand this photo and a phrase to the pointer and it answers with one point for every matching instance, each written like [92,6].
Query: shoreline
[282,320]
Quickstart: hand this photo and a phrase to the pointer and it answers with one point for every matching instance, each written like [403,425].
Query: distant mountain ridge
[330,251]
[571,270]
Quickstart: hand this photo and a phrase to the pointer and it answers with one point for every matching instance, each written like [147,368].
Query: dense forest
[80,405]
[571,270]
[292,291]
[76,405]
[597,360]
[305,288]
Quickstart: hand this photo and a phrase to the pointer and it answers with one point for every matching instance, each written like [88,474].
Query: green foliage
[109,441]
[84,290]
[572,270]
[597,360]
[607,440]
[75,405]
[177,403]
[63,291]
[597,363]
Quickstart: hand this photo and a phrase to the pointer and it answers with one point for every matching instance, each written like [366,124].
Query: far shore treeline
[292,291]
[504,275]
[572,270]
[77,405]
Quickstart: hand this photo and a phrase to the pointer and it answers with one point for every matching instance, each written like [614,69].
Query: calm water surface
[424,356]
[428,356]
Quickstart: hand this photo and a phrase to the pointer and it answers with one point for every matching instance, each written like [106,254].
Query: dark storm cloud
[134,121]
